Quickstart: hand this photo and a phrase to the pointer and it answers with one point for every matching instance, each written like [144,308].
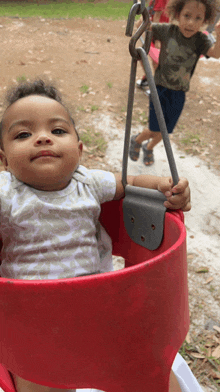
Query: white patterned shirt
[54,235]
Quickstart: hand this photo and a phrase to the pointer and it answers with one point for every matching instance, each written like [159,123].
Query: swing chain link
[145,27]
[136,55]
[141,5]
[143,209]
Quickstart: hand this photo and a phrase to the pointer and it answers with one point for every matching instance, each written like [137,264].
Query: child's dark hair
[174,7]
[37,87]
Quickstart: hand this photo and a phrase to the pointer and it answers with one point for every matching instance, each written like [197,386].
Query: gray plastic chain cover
[144,214]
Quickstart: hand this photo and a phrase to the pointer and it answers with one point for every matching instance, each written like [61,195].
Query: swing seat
[117,332]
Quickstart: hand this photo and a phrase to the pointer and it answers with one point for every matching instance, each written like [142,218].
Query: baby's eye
[58,131]
[23,135]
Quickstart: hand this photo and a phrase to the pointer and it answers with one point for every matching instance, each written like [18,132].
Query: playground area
[90,63]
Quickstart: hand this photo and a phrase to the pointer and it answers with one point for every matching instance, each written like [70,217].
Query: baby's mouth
[45,153]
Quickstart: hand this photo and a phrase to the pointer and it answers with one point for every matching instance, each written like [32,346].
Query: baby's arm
[178,196]
[214,51]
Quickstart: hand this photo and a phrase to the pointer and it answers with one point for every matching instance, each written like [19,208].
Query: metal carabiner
[142,6]
[144,28]
[131,19]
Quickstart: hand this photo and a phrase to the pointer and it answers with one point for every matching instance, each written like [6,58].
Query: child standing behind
[181,47]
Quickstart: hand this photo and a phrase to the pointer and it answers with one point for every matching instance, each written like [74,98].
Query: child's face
[191,18]
[40,144]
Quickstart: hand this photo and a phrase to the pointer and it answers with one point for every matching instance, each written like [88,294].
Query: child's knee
[155,135]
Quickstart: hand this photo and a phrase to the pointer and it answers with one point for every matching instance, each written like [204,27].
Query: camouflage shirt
[178,55]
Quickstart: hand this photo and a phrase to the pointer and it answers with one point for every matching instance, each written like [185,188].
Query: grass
[207,368]
[81,109]
[66,9]
[94,141]
[190,138]
[84,89]
[94,108]
[143,118]
[21,78]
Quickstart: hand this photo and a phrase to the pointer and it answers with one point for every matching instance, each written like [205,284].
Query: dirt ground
[90,63]
[91,54]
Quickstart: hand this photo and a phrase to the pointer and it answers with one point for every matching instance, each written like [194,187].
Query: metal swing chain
[143,209]
[141,6]
[141,54]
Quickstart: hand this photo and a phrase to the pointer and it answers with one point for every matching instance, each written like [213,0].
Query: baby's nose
[43,139]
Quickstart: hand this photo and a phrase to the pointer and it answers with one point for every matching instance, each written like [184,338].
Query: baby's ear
[3,159]
[80,146]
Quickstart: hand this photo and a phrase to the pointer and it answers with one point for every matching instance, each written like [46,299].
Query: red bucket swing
[118,331]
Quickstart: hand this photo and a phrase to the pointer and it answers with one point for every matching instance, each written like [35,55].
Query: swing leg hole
[142,238]
[153,227]
[132,220]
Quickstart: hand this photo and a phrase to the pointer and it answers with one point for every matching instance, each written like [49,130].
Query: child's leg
[174,385]
[146,134]
[22,385]
[135,145]
[155,138]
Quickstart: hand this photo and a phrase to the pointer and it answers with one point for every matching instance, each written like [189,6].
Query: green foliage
[143,118]
[66,9]
[190,139]
[94,108]
[81,109]
[94,141]
[21,78]
[84,89]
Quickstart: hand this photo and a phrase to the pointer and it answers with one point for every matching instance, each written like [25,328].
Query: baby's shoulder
[10,186]
[82,174]
[6,182]
[100,182]
[91,176]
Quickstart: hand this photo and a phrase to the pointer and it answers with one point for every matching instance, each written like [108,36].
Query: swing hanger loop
[144,28]
[142,5]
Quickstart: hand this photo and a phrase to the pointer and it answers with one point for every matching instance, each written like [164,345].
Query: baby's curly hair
[36,87]
[174,7]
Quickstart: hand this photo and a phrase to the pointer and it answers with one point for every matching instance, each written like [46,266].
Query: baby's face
[40,145]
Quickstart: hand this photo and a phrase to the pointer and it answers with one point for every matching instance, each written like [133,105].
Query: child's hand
[178,196]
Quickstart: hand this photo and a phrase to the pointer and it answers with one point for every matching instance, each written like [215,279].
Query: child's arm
[178,196]
[214,51]
[157,15]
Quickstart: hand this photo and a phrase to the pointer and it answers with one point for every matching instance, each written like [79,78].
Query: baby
[50,204]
